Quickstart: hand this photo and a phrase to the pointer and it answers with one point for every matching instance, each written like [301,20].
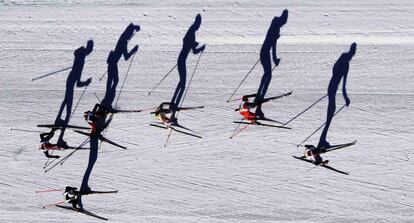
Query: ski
[322,165]
[339,146]
[101,192]
[55,147]
[269,120]
[180,126]
[184,108]
[176,130]
[162,127]
[186,133]
[83,211]
[174,125]
[336,170]
[67,126]
[126,111]
[83,133]
[190,108]
[102,138]
[75,147]
[274,98]
[261,124]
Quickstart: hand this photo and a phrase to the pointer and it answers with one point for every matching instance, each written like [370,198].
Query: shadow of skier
[121,49]
[189,44]
[115,55]
[73,78]
[339,72]
[269,44]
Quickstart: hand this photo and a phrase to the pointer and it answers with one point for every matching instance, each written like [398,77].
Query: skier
[73,196]
[313,154]
[269,43]
[46,145]
[339,71]
[92,117]
[245,106]
[73,78]
[189,44]
[162,111]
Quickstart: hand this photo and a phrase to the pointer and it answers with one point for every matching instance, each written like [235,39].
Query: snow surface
[251,178]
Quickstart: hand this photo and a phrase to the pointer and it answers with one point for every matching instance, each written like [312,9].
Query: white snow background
[251,178]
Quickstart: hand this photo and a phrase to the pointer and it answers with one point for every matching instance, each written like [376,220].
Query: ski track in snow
[251,178]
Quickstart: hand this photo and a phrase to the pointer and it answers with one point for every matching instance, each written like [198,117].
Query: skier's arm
[251,95]
[275,59]
[347,101]
[80,83]
[127,54]
[95,108]
[198,50]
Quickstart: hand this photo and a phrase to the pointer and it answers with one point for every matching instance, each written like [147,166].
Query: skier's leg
[266,84]
[265,60]
[174,105]
[329,116]
[58,119]
[93,156]
[116,77]
[179,91]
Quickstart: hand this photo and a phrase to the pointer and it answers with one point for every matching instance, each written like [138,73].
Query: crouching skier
[73,196]
[245,106]
[162,110]
[46,145]
[314,154]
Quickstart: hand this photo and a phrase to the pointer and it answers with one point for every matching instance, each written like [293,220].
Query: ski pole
[66,157]
[51,73]
[147,109]
[320,99]
[235,130]
[48,205]
[103,75]
[133,111]
[48,163]
[49,190]
[239,131]
[319,127]
[248,73]
[191,79]
[168,138]
[80,98]
[123,83]
[25,130]
[99,100]
[165,76]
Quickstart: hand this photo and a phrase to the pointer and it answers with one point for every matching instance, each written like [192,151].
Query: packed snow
[250,178]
